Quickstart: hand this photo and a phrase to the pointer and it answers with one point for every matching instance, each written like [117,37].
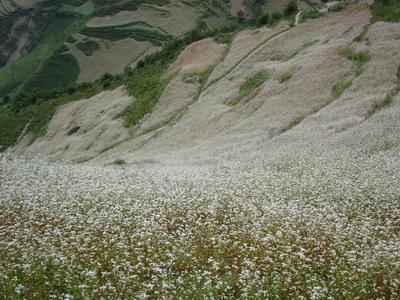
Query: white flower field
[301,229]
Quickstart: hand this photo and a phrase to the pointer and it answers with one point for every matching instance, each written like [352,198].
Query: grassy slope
[16,73]
[145,84]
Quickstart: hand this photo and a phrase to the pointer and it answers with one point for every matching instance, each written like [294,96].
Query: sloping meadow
[322,227]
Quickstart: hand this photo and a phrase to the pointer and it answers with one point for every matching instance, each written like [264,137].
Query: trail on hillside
[298,17]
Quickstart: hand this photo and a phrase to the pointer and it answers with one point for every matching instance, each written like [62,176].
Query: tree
[240,16]
[291,8]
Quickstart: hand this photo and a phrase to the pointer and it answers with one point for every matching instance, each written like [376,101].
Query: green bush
[70,40]
[88,47]
[291,8]
[386,10]
[119,162]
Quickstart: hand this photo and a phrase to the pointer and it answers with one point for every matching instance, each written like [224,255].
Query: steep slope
[314,98]
[98,36]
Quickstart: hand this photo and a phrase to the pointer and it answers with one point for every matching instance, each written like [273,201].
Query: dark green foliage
[70,40]
[119,162]
[146,85]
[386,10]
[88,47]
[263,20]
[57,71]
[255,7]
[106,80]
[275,17]
[140,64]
[61,50]
[291,8]
[310,14]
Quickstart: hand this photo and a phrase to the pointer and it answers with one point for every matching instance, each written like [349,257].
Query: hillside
[256,158]
[94,37]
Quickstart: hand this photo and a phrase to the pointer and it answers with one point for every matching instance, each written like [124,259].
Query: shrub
[140,64]
[70,40]
[291,8]
[119,162]
[263,20]
[386,10]
[88,47]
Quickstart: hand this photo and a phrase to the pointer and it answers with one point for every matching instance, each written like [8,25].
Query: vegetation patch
[287,75]
[386,10]
[339,88]
[310,14]
[57,71]
[111,7]
[358,58]
[55,31]
[251,84]
[88,47]
[116,33]
[146,86]
[71,40]
[119,162]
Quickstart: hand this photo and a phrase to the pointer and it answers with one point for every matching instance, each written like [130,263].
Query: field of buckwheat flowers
[321,228]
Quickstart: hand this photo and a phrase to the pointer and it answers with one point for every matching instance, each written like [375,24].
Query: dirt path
[298,17]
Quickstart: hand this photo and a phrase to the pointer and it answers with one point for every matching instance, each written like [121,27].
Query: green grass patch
[386,10]
[146,86]
[339,88]
[359,59]
[88,47]
[252,83]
